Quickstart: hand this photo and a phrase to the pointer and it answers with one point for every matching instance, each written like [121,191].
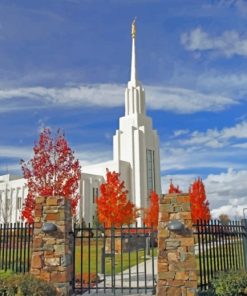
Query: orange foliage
[173,189]
[199,204]
[113,206]
[152,213]
[53,171]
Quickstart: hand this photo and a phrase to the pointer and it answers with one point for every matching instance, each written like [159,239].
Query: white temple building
[135,156]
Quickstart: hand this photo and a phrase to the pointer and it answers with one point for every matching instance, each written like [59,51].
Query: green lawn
[86,262]
[85,259]
[14,259]
[229,257]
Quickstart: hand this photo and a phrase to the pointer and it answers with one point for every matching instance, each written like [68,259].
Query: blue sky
[65,64]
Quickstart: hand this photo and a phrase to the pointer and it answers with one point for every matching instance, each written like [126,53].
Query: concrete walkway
[126,280]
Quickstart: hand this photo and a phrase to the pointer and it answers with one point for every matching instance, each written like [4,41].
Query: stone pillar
[52,252]
[177,274]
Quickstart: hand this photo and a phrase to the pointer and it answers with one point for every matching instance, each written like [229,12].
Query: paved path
[133,279]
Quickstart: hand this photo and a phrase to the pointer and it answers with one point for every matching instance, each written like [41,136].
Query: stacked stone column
[52,252]
[177,275]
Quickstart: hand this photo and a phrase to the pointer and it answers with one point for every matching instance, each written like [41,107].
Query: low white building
[12,194]
[135,157]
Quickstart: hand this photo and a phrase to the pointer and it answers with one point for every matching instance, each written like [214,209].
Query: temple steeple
[136,144]
[134,94]
[133,74]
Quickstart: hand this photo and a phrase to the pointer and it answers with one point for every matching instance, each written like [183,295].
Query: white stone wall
[12,194]
[87,204]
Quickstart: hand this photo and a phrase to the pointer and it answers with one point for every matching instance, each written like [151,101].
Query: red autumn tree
[199,204]
[173,189]
[53,171]
[113,206]
[152,213]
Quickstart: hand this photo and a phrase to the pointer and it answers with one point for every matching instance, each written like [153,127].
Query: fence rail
[15,246]
[115,258]
[220,247]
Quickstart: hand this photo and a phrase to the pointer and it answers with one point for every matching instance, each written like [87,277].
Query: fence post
[147,248]
[244,224]
[52,243]
[177,273]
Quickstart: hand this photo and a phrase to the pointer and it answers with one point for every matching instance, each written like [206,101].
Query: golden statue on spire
[133,28]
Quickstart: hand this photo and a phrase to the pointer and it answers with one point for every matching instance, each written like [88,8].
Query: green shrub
[24,285]
[8,283]
[207,293]
[36,287]
[232,283]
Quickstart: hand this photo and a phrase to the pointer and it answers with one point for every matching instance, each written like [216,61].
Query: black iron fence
[123,258]
[15,246]
[220,247]
[116,258]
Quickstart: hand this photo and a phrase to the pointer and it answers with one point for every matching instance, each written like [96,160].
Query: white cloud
[238,131]
[235,83]
[97,95]
[87,155]
[213,150]
[217,82]
[234,212]
[180,132]
[173,99]
[15,152]
[195,152]
[229,43]
[242,145]
[215,138]
[232,183]
[226,192]
[176,156]
[183,100]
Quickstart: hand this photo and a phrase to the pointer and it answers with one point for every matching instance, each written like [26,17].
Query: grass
[86,260]
[14,260]
[90,260]
[4,274]
[225,258]
[231,256]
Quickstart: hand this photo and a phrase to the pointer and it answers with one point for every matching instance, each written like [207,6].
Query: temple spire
[133,75]
[134,93]
[133,28]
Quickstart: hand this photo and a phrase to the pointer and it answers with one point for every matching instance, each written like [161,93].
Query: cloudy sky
[65,64]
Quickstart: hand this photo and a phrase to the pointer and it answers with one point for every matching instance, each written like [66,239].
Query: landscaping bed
[12,284]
